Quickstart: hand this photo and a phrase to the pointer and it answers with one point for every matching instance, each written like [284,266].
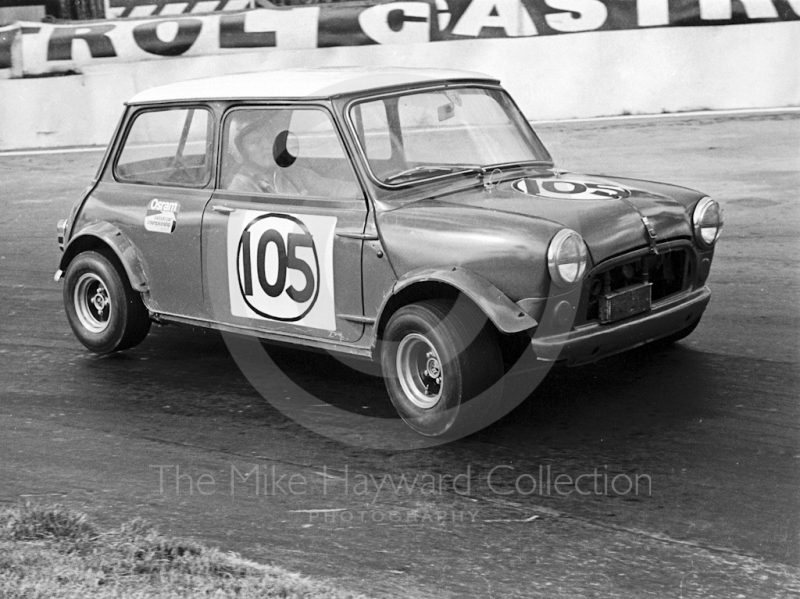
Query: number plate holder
[625,302]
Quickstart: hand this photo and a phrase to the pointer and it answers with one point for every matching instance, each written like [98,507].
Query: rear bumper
[594,341]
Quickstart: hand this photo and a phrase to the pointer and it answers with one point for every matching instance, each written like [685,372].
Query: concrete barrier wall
[640,71]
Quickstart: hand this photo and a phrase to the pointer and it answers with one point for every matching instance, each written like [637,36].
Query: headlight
[566,258]
[707,222]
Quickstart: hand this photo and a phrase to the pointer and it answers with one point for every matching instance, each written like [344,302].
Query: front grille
[668,273]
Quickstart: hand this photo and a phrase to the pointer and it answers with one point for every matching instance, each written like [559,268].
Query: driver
[261,170]
[269,153]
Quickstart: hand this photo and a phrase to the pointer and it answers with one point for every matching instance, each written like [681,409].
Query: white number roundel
[278,270]
[278,267]
[563,188]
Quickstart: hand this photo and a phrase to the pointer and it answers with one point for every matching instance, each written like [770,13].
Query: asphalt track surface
[163,431]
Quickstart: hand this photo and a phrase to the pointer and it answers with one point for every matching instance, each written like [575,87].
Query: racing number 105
[275,273]
[286,259]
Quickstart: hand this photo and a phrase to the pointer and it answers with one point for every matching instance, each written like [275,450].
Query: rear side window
[168,147]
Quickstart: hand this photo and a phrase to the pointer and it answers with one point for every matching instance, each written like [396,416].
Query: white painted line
[53,151]
[531,519]
[673,115]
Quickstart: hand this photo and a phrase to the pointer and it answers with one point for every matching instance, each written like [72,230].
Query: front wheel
[435,356]
[104,311]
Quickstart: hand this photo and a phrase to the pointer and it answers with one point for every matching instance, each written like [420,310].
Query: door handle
[223,209]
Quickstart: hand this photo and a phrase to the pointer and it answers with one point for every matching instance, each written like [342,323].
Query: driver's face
[257,148]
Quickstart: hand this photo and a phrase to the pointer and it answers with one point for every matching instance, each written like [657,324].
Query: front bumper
[591,342]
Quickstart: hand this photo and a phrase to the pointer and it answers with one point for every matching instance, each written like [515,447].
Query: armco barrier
[634,71]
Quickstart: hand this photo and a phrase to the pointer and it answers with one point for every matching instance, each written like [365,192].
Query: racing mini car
[407,216]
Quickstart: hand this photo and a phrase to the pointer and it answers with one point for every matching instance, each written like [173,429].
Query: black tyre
[435,356]
[104,311]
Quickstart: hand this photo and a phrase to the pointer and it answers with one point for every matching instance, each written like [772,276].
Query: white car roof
[298,83]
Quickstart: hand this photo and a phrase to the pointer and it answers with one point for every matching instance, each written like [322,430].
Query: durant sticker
[280,267]
[162,217]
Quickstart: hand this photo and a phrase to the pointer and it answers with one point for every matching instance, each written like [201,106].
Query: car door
[163,181]
[282,234]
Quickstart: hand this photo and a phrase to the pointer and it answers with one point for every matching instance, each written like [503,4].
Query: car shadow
[634,393]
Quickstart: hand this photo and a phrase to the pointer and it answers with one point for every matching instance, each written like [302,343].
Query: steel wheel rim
[419,370]
[92,303]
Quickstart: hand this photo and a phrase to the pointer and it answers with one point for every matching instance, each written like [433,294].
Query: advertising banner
[47,48]
[123,9]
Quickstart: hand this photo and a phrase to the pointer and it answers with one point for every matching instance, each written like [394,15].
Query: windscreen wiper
[426,169]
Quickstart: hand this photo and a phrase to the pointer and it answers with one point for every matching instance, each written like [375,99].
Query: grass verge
[56,553]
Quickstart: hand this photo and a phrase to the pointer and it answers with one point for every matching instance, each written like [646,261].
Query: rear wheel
[104,311]
[435,356]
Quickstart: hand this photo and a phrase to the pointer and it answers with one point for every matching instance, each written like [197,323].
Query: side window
[167,147]
[294,152]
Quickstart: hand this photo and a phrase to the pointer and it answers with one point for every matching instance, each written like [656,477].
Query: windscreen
[429,133]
